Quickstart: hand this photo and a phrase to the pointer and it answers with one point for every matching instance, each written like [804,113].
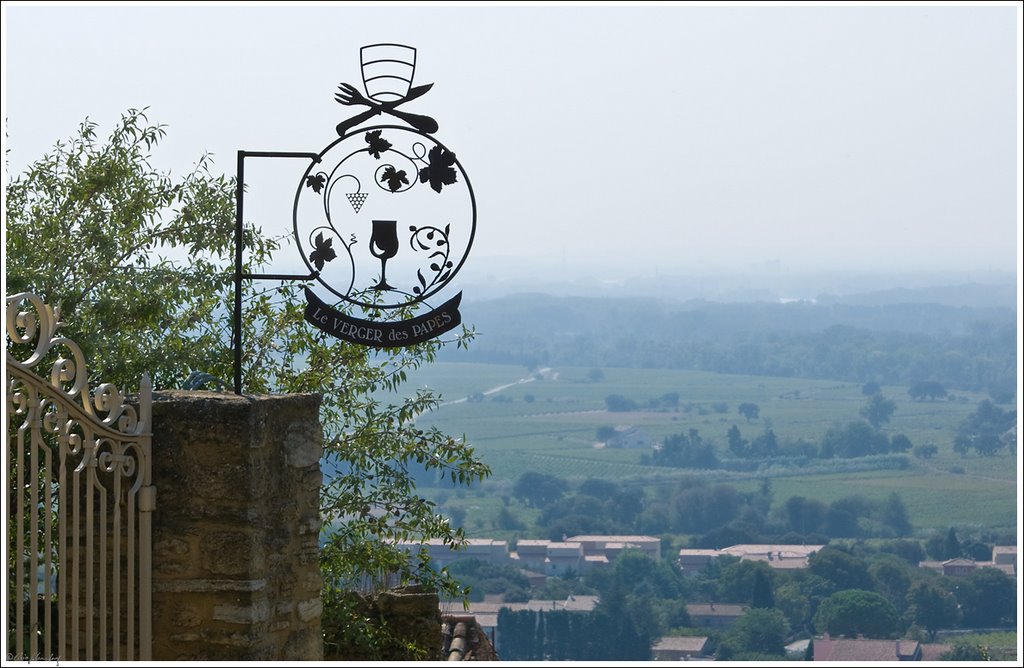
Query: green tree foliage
[738,580]
[894,515]
[871,387]
[900,443]
[506,521]
[805,516]
[761,595]
[483,577]
[599,506]
[966,652]
[599,489]
[703,508]
[90,227]
[758,631]
[608,633]
[539,489]
[764,446]
[842,569]
[926,450]
[878,410]
[572,515]
[686,451]
[951,548]
[518,635]
[854,612]
[926,389]
[622,622]
[561,588]
[854,439]
[987,598]
[892,577]
[910,551]
[616,403]
[748,410]
[141,264]
[986,430]
[844,514]
[794,604]
[932,608]
[651,593]
[738,446]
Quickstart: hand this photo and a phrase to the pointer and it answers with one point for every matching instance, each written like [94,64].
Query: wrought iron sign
[384,216]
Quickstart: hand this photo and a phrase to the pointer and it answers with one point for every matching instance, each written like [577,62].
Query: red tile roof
[860,649]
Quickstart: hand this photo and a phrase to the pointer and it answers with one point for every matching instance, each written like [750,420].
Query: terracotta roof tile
[462,639]
[681,643]
[859,649]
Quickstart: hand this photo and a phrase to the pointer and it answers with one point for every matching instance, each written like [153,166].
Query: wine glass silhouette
[384,245]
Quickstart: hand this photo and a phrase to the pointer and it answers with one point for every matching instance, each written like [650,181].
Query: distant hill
[892,336]
[973,295]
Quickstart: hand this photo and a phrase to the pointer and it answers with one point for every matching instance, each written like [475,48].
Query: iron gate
[79,498]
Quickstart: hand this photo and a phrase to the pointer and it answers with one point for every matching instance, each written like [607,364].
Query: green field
[548,422]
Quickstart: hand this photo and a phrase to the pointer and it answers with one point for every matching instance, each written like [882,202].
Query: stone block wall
[236,526]
[409,621]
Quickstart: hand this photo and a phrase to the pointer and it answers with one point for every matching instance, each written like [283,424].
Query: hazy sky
[660,138]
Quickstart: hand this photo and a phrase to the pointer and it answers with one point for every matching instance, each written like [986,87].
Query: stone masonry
[235,531]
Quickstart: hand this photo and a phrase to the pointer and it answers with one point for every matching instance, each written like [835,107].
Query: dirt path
[499,388]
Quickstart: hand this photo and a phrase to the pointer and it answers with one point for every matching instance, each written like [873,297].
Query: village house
[1004,558]
[862,649]
[679,648]
[548,557]
[611,546]
[782,557]
[483,549]
[715,616]
[631,437]
[1005,555]
[543,558]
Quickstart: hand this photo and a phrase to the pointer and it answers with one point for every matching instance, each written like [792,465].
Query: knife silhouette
[350,96]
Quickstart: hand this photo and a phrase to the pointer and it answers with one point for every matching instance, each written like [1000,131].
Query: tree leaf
[377,143]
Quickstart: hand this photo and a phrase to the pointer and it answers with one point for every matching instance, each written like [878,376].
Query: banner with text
[383,334]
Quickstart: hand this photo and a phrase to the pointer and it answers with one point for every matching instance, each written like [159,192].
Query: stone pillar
[236,526]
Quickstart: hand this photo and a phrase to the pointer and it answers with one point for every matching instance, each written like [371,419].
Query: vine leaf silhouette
[394,178]
[316,182]
[323,251]
[377,143]
[439,172]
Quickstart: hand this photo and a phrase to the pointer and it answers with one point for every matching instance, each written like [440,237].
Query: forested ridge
[968,348]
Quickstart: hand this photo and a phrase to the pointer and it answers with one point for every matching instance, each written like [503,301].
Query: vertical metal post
[236,339]
[237,324]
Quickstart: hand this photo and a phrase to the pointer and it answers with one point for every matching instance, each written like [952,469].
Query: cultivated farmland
[547,421]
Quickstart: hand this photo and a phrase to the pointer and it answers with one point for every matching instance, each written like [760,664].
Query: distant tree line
[716,515]
[969,349]
[850,440]
[987,431]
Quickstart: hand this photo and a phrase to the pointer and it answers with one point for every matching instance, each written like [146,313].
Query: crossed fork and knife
[349,96]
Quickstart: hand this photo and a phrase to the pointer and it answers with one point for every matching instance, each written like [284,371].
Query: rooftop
[781,550]
[716,609]
[613,539]
[681,643]
[861,649]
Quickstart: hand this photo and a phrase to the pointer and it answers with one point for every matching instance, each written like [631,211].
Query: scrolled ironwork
[77,460]
[416,181]
[33,324]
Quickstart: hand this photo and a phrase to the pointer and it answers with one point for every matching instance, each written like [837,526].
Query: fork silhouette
[348,95]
